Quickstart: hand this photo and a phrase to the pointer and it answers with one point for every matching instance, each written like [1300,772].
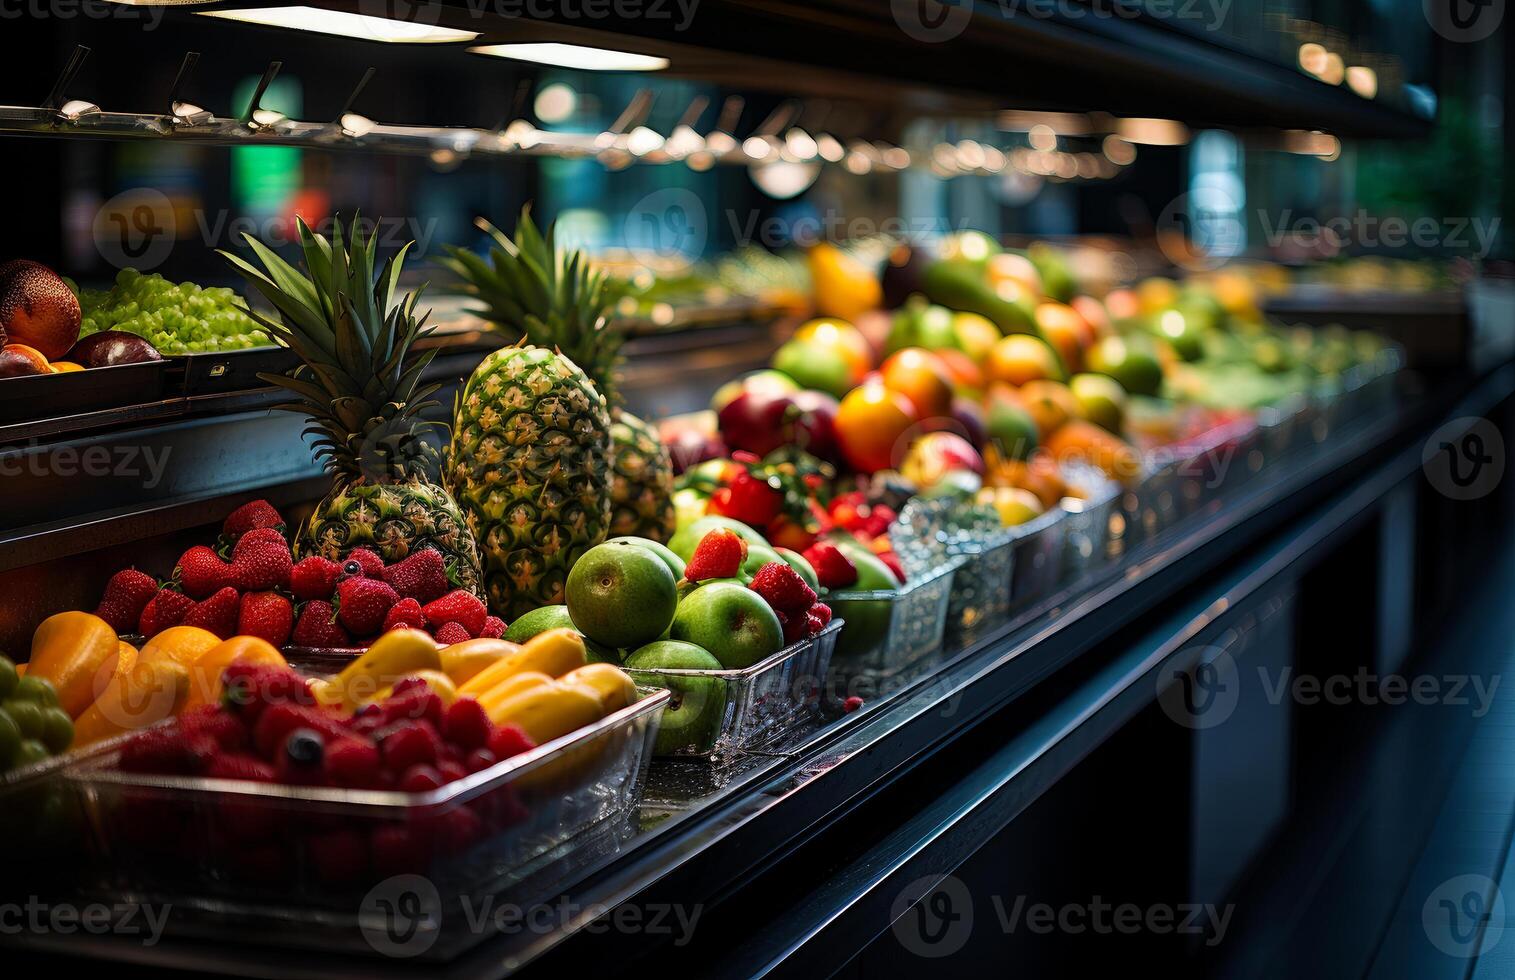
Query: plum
[110,347]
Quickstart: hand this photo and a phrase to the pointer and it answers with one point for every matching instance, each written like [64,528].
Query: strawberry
[405,614]
[892,560]
[167,751]
[257,536]
[494,627]
[200,572]
[509,740]
[449,633]
[833,569]
[796,626]
[719,554]
[352,763]
[314,577]
[250,516]
[362,604]
[410,743]
[235,765]
[419,778]
[370,564]
[262,566]
[165,609]
[267,615]
[213,720]
[318,627]
[466,724]
[819,613]
[783,589]
[248,689]
[217,614]
[126,594]
[458,606]
[422,576]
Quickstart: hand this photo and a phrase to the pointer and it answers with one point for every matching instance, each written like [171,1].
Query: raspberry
[833,569]
[451,771]
[314,578]
[457,830]
[413,705]
[478,760]
[814,622]
[458,606]
[451,633]
[235,765]
[466,724]
[509,740]
[420,778]
[338,856]
[249,688]
[719,554]
[213,720]
[405,614]
[352,763]
[822,612]
[301,761]
[494,627]
[783,589]
[409,743]
[852,704]
[279,720]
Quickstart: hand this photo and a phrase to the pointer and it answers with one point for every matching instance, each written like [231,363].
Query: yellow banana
[463,661]
[392,656]
[548,711]
[510,687]
[434,679]
[554,653]
[610,683]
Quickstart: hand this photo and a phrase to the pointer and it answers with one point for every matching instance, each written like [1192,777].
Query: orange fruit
[1122,304]
[1088,444]
[1066,331]
[181,644]
[920,376]
[963,370]
[1049,403]
[871,424]
[1094,314]
[1020,358]
[205,671]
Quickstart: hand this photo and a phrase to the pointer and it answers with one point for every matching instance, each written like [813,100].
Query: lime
[8,677]
[35,689]
[26,714]
[621,596]
[57,729]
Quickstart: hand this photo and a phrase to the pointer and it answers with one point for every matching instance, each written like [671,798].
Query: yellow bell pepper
[392,656]
[464,661]
[144,695]
[610,683]
[439,682]
[554,653]
[75,652]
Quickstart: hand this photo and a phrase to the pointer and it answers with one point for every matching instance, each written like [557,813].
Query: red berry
[450,633]
[250,688]
[494,627]
[250,516]
[318,628]
[229,731]
[783,588]
[796,626]
[892,561]
[719,554]
[168,751]
[162,611]
[822,612]
[421,576]
[277,721]
[834,569]
[466,724]
[852,704]
[267,615]
[126,594]
[408,744]
[420,778]
[457,830]
[200,572]
[405,614]
[371,564]
[314,578]
[338,856]
[362,604]
[458,606]
[509,740]
[420,704]
[398,849]
[352,763]
[262,566]
[262,535]
[218,614]
[235,765]
[451,770]
[478,760]
[747,499]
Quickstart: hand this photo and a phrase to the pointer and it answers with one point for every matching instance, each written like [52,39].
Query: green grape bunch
[176,318]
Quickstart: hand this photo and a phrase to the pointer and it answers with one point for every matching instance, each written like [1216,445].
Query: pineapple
[359,388]
[520,292]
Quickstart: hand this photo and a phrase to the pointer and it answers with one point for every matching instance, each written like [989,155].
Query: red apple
[815,425]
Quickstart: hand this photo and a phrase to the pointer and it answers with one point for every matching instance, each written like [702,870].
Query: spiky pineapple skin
[641,483]
[395,520]
[529,466]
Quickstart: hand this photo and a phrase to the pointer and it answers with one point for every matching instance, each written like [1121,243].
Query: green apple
[798,562]
[685,538]
[758,555]
[867,619]
[545,618]
[731,621]
[621,596]
[694,713]
[674,562]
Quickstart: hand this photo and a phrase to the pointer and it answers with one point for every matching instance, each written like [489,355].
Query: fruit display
[360,387]
[38,310]
[520,290]
[33,725]
[176,318]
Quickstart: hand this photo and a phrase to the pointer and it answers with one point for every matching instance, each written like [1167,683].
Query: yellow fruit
[553,652]
[205,672]
[612,684]
[392,656]
[844,287]
[439,683]
[71,650]
[1050,405]
[64,367]
[548,711]
[144,695]
[1020,358]
[181,644]
[1014,505]
[463,661]
[510,687]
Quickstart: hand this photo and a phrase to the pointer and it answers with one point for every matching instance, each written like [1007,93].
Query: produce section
[502,548]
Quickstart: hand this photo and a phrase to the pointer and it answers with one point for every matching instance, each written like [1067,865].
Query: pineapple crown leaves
[534,292]
[359,383]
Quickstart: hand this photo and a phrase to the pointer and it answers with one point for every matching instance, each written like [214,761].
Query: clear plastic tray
[1086,530]
[889,630]
[302,859]
[1037,565]
[981,586]
[762,703]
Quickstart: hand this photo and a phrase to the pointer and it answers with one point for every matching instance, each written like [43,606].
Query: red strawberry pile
[869,523]
[719,555]
[268,728]
[252,586]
